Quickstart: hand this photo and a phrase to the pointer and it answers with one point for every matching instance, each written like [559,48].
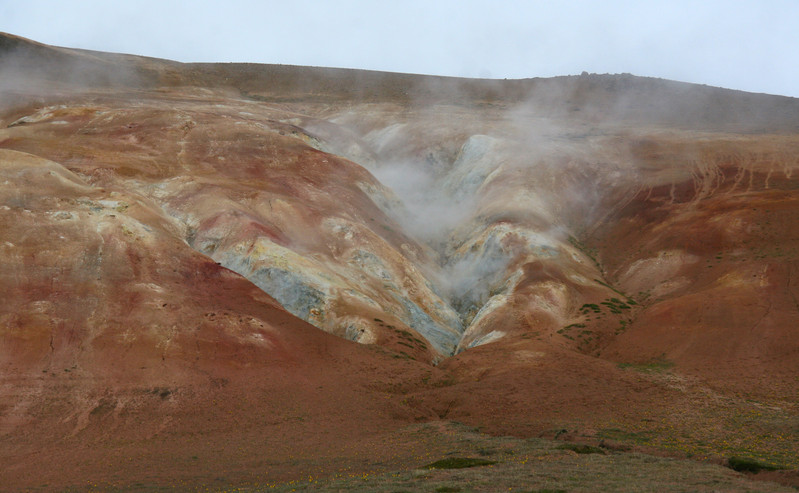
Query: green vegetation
[616,305]
[589,252]
[584,336]
[590,306]
[610,306]
[458,463]
[408,339]
[657,365]
[610,287]
[743,464]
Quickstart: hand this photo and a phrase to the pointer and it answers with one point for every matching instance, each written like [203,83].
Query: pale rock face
[479,157]
[659,274]
[286,276]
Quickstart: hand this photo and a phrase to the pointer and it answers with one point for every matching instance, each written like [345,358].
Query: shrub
[743,464]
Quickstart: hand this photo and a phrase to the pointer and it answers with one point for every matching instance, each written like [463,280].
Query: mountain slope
[175,235]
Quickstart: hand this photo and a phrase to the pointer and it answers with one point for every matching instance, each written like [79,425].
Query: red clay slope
[641,280]
[123,350]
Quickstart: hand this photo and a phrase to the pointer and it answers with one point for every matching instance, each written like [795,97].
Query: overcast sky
[748,45]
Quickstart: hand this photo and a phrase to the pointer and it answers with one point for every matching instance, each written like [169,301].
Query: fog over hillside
[243,275]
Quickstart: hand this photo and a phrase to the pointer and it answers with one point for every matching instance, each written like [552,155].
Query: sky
[746,45]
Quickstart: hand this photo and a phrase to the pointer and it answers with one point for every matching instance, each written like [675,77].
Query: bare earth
[248,276]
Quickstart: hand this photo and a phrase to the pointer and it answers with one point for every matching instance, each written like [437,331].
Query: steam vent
[255,276]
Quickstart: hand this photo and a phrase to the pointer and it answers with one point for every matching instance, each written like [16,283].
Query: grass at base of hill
[538,465]
[732,428]
[520,465]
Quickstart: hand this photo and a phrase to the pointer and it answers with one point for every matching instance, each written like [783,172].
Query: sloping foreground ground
[597,258]
[452,457]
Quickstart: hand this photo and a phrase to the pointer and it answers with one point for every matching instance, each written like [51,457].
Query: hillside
[259,273]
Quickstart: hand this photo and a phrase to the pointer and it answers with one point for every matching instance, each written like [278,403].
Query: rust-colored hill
[257,273]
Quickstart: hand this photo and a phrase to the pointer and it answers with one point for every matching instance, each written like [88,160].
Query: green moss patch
[458,463]
[743,464]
